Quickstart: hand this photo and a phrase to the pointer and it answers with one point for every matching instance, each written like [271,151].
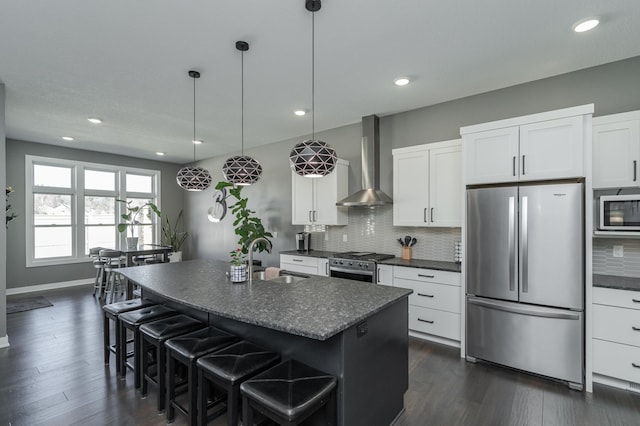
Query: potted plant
[238,267]
[171,236]
[247,226]
[130,219]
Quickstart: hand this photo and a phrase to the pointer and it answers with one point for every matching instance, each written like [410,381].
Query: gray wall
[18,275]
[3,234]
[613,88]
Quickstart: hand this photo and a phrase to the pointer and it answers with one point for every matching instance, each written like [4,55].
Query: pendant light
[313,158]
[192,178]
[242,169]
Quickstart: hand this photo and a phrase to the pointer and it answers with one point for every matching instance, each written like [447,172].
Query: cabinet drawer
[616,360]
[616,324]
[307,270]
[432,295]
[433,321]
[300,260]
[613,297]
[431,275]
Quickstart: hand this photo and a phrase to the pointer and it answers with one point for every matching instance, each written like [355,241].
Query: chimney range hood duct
[370,195]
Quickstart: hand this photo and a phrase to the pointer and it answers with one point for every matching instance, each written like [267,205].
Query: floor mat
[26,304]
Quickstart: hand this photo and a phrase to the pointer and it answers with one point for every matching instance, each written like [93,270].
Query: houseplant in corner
[171,236]
[132,218]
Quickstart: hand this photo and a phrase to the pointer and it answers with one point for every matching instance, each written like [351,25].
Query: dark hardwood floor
[53,374]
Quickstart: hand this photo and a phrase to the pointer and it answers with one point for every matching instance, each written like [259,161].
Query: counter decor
[238,272]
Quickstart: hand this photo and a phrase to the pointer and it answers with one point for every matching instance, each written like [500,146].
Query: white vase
[132,243]
[238,274]
[175,256]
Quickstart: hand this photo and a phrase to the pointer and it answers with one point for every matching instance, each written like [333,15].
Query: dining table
[143,250]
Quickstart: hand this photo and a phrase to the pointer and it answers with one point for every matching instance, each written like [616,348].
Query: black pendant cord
[313,78]
[194,120]
[242,102]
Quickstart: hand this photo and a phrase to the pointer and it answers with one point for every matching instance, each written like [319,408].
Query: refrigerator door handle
[512,243]
[524,309]
[525,244]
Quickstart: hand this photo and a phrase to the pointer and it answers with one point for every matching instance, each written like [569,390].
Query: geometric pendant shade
[193,178]
[313,158]
[242,169]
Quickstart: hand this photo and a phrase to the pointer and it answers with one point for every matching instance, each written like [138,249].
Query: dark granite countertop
[619,283]
[423,263]
[311,253]
[396,261]
[317,307]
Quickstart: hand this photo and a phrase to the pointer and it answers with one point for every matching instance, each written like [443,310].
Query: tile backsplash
[371,229]
[605,264]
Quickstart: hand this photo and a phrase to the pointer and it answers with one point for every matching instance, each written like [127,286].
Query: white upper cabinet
[543,146]
[427,185]
[492,156]
[616,150]
[313,200]
[552,149]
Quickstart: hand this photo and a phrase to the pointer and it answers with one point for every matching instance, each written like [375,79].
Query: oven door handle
[350,271]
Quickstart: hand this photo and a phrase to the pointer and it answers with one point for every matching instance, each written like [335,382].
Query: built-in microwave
[620,212]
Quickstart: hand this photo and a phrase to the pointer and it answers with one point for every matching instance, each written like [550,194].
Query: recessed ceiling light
[67,138]
[159,153]
[94,120]
[402,81]
[585,25]
[197,141]
[300,112]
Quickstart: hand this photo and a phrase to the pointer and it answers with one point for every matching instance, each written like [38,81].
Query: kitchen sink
[283,279]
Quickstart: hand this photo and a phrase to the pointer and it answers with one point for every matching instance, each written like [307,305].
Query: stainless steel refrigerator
[525,278]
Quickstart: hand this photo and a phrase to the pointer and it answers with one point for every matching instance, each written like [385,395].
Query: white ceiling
[127,61]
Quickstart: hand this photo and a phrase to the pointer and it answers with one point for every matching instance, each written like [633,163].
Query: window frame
[78,192]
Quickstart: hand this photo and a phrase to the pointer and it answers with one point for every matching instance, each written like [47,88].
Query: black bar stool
[98,265]
[186,350]
[227,369]
[111,312]
[132,320]
[113,261]
[288,394]
[153,335]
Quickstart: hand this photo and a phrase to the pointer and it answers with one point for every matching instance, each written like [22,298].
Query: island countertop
[317,307]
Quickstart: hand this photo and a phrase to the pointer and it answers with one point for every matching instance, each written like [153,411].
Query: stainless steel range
[354,265]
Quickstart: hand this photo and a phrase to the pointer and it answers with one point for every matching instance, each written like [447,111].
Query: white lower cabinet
[300,264]
[385,275]
[434,306]
[616,337]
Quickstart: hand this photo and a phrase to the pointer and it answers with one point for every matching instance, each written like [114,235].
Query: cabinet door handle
[297,260]
[523,172]
[326,268]
[310,218]
[431,214]
[635,170]
[425,295]
[635,328]
[426,276]
[635,365]
[431,322]
[424,215]
[315,215]
[514,165]
[635,300]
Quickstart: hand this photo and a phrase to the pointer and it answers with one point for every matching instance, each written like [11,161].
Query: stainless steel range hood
[370,195]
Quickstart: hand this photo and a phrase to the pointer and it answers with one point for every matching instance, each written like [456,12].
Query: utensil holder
[406,253]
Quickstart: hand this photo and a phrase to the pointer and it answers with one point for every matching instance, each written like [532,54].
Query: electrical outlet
[618,251]
[345,238]
[275,234]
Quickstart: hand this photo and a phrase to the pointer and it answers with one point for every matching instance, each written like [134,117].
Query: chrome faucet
[251,247]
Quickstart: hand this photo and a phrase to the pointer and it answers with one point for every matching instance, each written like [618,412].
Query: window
[72,207]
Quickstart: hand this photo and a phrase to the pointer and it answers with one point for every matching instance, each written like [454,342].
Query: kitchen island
[354,331]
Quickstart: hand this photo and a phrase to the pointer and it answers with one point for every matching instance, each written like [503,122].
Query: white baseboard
[50,286]
[4,342]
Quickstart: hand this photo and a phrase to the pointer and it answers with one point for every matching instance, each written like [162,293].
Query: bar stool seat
[288,394]
[111,312]
[153,336]
[186,350]
[227,369]
[132,320]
